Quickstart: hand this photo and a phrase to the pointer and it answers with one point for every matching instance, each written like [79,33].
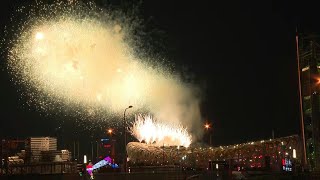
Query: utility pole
[272,134]
[163,154]
[74,149]
[78,151]
[304,155]
[91,151]
[97,151]
[125,138]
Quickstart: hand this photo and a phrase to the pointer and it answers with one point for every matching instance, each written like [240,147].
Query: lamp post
[207,126]
[112,141]
[125,138]
[110,132]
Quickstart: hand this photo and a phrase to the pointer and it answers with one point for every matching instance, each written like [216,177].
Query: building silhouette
[309,73]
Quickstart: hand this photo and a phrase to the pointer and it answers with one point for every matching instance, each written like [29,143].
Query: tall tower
[309,69]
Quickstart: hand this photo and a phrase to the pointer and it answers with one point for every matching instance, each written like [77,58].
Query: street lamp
[125,138]
[207,127]
[110,131]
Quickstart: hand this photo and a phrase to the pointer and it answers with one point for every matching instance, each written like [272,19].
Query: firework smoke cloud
[76,54]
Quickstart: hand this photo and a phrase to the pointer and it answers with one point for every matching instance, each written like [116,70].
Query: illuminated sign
[286,165]
[294,153]
[106,161]
[107,145]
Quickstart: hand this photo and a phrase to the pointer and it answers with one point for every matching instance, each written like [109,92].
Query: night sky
[242,55]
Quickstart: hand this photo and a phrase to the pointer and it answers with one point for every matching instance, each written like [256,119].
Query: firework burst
[152,132]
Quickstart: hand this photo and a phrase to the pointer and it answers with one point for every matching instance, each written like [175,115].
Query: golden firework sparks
[74,54]
[158,133]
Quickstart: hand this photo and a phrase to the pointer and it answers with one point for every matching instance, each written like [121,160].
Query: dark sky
[244,53]
[241,54]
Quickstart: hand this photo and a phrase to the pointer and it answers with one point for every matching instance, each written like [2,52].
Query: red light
[259,165]
[107,145]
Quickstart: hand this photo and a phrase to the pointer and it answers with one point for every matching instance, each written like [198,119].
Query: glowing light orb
[151,132]
[39,36]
